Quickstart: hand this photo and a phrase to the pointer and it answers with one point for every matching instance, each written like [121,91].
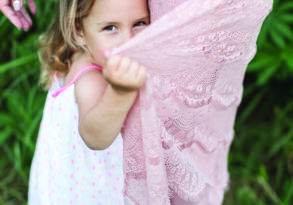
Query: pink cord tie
[88,68]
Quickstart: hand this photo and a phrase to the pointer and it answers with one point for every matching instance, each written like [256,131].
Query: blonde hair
[58,44]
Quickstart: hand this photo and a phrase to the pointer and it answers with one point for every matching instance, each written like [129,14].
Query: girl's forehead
[119,8]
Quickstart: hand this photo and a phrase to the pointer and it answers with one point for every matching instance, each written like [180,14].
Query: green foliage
[275,45]
[21,103]
[261,157]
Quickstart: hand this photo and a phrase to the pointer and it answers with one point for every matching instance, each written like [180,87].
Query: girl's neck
[79,59]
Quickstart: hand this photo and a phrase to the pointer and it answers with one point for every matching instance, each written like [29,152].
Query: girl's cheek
[99,44]
[110,39]
[98,53]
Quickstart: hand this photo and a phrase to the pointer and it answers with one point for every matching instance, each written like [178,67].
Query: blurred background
[261,156]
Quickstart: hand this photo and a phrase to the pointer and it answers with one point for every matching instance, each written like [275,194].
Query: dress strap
[76,77]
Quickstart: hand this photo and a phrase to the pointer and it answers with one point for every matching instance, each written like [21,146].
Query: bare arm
[101,120]
[103,106]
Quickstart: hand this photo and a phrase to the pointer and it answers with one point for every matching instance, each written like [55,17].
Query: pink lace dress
[64,170]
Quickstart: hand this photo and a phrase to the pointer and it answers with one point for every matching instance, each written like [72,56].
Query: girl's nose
[127,35]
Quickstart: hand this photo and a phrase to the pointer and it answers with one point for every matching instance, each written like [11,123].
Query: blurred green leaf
[18,62]
[5,134]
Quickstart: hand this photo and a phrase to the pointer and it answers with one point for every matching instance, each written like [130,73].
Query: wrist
[121,94]
[120,91]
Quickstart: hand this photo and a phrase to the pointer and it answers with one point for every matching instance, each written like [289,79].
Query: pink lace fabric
[177,135]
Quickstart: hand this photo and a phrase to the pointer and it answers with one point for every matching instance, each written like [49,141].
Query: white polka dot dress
[64,170]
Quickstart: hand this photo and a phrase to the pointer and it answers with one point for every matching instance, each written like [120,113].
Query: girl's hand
[124,74]
[16,13]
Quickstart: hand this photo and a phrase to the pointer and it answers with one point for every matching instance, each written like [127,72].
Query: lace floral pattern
[177,135]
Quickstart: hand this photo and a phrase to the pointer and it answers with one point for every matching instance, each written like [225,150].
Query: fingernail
[16,5]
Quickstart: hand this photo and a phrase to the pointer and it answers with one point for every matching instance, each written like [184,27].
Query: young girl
[78,157]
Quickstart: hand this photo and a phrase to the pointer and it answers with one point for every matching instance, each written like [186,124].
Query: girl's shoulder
[78,63]
[79,68]
[89,89]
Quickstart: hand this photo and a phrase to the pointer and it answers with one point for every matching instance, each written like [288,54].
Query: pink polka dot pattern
[64,170]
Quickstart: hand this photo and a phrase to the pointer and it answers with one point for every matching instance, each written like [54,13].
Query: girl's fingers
[105,57]
[134,69]
[114,62]
[32,6]
[124,64]
[142,73]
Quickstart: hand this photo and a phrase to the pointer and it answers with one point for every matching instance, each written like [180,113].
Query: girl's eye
[110,28]
[140,23]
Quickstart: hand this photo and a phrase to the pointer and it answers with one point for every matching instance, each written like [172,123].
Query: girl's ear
[80,41]
[79,36]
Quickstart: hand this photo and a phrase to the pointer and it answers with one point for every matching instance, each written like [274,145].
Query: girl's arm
[102,110]
[104,100]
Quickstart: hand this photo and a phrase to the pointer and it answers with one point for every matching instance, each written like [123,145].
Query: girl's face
[110,23]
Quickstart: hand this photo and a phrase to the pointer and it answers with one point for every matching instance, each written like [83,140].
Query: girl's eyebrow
[117,23]
[142,18]
[107,22]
